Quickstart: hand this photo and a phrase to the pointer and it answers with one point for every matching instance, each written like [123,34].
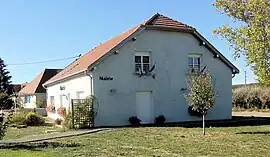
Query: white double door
[144,107]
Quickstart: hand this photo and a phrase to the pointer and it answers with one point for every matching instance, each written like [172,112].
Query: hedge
[251,97]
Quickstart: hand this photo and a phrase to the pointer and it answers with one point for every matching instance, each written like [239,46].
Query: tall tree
[251,36]
[5,86]
[201,93]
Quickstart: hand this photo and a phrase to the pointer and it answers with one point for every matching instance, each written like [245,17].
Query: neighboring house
[16,89]
[33,95]
[142,72]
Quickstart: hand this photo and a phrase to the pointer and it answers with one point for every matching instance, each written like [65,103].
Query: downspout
[91,90]
[91,81]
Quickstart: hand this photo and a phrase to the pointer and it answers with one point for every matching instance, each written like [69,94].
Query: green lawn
[14,133]
[152,141]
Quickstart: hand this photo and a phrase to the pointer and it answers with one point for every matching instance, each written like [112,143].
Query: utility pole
[245,77]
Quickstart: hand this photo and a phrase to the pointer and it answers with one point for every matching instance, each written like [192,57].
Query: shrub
[134,120]
[41,104]
[18,118]
[160,119]
[251,97]
[32,119]
[67,123]
[58,121]
[3,129]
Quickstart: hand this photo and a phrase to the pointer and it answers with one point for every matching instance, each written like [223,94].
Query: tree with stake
[201,94]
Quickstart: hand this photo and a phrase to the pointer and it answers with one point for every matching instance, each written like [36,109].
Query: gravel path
[254,114]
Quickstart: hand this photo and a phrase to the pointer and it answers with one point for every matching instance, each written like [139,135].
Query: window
[80,95]
[142,62]
[61,100]
[52,100]
[25,99]
[194,62]
[28,99]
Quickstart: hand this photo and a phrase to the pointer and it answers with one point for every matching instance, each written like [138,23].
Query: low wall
[40,111]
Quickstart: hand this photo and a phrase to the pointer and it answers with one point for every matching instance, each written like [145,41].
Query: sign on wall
[105,78]
[62,87]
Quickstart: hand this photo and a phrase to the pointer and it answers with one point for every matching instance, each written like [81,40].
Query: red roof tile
[93,55]
[35,86]
[160,20]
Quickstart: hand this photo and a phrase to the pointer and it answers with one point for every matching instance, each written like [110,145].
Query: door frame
[151,114]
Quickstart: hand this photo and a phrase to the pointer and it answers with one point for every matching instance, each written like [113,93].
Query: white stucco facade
[169,52]
[62,93]
[32,100]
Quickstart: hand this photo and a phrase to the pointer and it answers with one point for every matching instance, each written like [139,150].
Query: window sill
[138,74]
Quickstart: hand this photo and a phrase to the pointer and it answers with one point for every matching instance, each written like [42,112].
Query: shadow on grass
[257,132]
[48,124]
[36,146]
[236,121]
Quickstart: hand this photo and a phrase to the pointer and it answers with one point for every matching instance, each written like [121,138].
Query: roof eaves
[118,46]
[63,78]
[170,28]
[199,36]
[222,57]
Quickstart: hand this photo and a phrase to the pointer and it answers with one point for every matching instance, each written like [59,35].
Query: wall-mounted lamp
[134,39]
[216,56]
[113,90]
[202,43]
[92,69]
[116,52]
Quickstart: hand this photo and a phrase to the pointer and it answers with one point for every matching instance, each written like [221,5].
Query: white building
[142,72]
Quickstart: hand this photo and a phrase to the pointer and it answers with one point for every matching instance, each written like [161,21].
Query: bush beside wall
[251,97]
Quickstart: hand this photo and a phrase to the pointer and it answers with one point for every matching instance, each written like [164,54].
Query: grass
[154,141]
[14,132]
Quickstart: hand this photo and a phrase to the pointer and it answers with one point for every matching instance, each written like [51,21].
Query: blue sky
[33,30]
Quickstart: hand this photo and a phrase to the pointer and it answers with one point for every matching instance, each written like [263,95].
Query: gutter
[87,72]
[63,79]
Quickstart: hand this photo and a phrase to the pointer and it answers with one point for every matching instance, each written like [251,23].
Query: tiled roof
[18,87]
[82,63]
[35,86]
[160,20]
[93,55]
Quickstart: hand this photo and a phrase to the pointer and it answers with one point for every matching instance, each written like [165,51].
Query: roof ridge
[155,17]
[173,19]
[146,22]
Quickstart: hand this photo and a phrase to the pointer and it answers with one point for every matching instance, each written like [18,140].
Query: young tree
[250,36]
[201,94]
[5,87]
